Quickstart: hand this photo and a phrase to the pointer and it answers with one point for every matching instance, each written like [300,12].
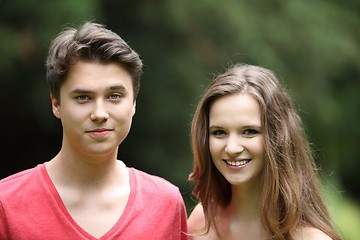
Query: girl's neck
[241,216]
[245,200]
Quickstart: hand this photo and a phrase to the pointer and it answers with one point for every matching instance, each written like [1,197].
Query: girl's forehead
[236,109]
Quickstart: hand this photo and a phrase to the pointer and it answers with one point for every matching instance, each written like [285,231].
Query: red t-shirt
[31,208]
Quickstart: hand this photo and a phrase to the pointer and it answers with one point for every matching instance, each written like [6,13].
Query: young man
[85,192]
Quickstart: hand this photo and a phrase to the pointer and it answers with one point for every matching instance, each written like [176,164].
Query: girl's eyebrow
[245,126]
[252,126]
[214,126]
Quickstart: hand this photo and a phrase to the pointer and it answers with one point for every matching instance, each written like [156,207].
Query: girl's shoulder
[197,225]
[311,233]
[196,219]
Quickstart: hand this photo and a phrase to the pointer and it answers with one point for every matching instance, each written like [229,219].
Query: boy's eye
[82,98]
[115,96]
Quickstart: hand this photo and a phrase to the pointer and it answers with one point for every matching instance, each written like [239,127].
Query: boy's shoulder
[19,176]
[16,182]
[153,182]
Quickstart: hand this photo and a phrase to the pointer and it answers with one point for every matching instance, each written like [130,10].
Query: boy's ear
[134,108]
[55,106]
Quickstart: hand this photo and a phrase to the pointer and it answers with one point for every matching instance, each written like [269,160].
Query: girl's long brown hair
[291,195]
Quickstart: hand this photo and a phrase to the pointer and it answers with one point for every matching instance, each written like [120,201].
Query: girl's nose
[234,145]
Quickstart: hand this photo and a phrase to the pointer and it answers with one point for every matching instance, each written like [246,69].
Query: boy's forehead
[94,76]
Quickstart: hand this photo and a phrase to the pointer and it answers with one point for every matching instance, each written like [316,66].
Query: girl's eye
[250,132]
[218,132]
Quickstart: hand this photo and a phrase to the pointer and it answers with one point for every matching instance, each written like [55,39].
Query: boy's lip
[99,130]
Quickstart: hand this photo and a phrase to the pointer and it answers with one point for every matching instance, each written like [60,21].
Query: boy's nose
[100,113]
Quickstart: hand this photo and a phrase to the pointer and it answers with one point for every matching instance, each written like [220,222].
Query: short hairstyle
[89,42]
[290,186]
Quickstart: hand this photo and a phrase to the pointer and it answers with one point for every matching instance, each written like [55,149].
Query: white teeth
[237,163]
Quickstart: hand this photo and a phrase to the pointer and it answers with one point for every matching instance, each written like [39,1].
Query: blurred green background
[312,46]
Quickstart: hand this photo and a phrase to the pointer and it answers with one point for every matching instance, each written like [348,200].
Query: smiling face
[96,108]
[236,140]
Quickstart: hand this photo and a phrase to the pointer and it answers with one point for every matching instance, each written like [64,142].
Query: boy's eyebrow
[117,87]
[80,91]
[84,91]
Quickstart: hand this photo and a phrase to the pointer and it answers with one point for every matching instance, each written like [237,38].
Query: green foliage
[344,210]
[313,47]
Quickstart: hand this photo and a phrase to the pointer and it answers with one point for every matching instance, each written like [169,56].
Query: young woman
[254,172]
